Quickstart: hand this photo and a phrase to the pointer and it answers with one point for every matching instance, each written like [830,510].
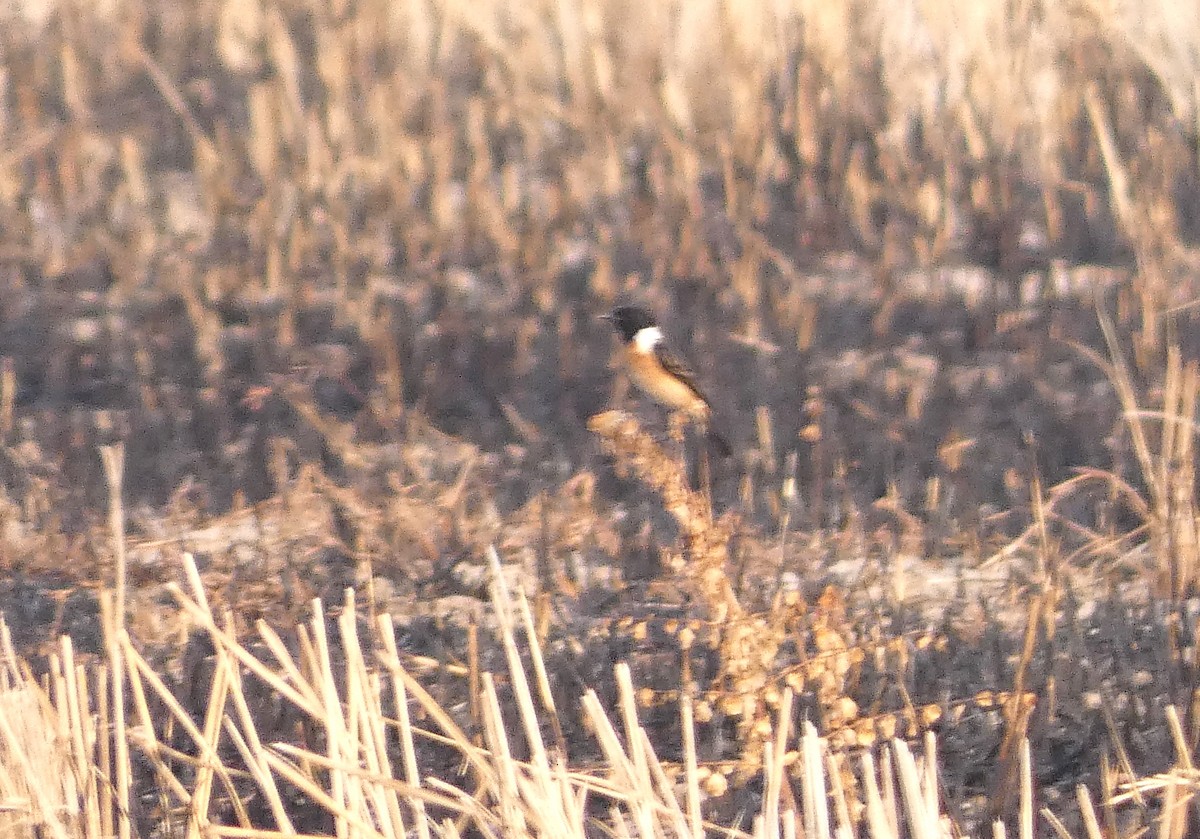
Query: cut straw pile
[75,744]
[69,761]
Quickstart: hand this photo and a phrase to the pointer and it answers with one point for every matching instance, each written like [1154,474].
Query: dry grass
[321,281]
[60,746]
[924,131]
[58,750]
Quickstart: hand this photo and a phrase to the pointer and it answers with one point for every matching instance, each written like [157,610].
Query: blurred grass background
[502,134]
[430,202]
[331,271]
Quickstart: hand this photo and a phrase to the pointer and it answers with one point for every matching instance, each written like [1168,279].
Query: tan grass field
[323,512]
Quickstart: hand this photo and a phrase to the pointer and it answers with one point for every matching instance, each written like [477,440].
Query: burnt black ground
[887,398]
[914,414]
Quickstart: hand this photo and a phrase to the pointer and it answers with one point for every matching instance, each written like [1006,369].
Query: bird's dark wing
[675,367]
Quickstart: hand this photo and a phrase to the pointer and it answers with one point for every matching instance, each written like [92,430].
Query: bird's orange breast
[648,375]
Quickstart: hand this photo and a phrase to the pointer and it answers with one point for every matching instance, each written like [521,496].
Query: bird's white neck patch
[647,339]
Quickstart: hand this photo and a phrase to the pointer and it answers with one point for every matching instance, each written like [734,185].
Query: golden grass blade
[132,659]
[891,795]
[610,743]
[70,698]
[816,806]
[878,824]
[104,768]
[503,765]
[379,762]
[930,781]
[115,642]
[1091,824]
[320,761]
[147,739]
[1182,755]
[639,779]
[306,701]
[1056,824]
[1167,818]
[691,782]
[294,678]
[252,748]
[300,780]
[919,821]
[1118,180]
[214,712]
[263,778]
[773,766]
[28,746]
[113,458]
[844,829]
[539,669]
[87,788]
[400,698]
[574,800]
[485,818]
[443,720]
[331,716]
[503,608]
[1127,395]
[1026,791]
[233,832]
[357,739]
[666,792]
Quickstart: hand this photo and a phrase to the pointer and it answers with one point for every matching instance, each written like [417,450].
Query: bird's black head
[630,320]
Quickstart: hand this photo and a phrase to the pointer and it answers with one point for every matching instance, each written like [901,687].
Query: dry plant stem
[511,814]
[104,760]
[474,683]
[8,396]
[773,765]
[214,711]
[706,541]
[516,798]
[1055,823]
[878,823]
[816,805]
[1026,789]
[932,804]
[16,749]
[1091,824]
[404,723]
[208,756]
[151,746]
[1132,214]
[1168,470]
[1182,754]
[691,778]
[332,715]
[748,643]
[114,472]
[507,621]
[1017,712]
[837,790]
[539,668]
[251,747]
[910,789]
[115,641]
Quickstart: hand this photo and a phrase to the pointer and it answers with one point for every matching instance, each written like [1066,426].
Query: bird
[658,372]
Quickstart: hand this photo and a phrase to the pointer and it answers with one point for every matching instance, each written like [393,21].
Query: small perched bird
[658,373]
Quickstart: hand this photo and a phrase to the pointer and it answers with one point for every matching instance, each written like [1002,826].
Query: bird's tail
[718,442]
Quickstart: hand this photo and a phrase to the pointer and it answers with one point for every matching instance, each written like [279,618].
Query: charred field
[310,293]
